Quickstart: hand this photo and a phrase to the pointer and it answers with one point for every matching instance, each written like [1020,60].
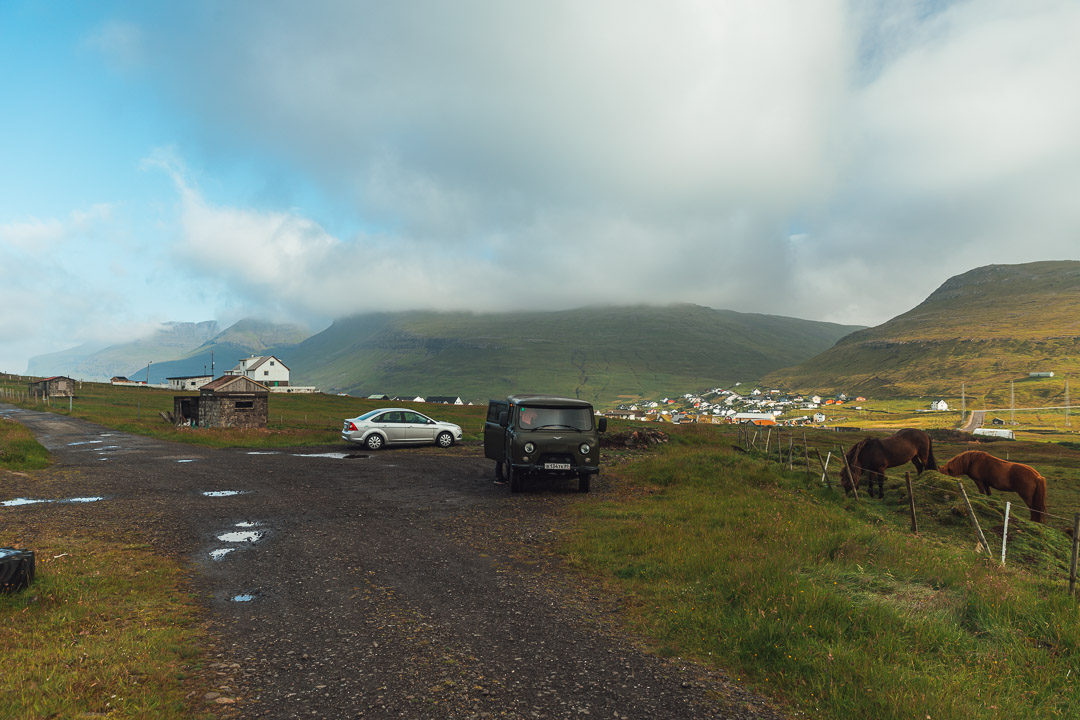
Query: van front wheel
[583,482]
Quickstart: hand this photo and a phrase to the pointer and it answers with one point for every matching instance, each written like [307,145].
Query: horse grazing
[875,455]
[990,472]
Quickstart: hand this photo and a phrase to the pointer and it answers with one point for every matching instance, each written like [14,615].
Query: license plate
[556,466]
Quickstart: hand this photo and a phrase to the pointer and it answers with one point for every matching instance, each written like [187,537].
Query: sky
[298,162]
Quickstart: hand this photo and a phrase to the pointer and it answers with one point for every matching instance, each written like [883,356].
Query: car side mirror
[504,418]
[601,425]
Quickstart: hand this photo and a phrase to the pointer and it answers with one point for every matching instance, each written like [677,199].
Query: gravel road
[396,584]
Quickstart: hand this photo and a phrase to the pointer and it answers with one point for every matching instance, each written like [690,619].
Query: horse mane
[963,460]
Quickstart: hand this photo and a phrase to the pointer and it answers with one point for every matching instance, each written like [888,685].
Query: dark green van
[542,434]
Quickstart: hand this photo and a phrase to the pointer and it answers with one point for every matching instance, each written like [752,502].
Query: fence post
[1005,532]
[806,452]
[1075,546]
[767,439]
[851,477]
[911,503]
[824,467]
[974,520]
[790,453]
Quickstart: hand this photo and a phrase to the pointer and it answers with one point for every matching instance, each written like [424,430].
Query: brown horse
[875,455]
[990,472]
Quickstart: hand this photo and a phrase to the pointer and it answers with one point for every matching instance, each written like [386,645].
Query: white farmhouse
[939,405]
[265,369]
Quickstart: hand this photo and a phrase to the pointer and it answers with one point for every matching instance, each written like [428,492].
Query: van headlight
[529,448]
[584,448]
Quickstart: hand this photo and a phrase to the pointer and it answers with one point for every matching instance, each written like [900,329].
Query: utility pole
[1012,404]
[963,403]
[148,372]
[1067,401]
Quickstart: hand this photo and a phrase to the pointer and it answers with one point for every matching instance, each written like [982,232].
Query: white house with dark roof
[265,369]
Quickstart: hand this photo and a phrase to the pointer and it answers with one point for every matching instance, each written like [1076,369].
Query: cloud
[605,152]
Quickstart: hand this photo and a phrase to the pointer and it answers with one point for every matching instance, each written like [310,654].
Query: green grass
[833,605]
[85,642]
[294,420]
[19,451]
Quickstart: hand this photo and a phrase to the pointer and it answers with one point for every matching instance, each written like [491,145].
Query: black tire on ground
[374,441]
[500,471]
[583,482]
[444,439]
[516,478]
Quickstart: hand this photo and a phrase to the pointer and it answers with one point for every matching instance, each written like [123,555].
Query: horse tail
[1038,499]
[931,463]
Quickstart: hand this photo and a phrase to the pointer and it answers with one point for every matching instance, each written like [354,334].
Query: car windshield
[539,418]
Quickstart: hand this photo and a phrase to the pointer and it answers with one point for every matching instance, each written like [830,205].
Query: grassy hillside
[600,354]
[983,328]
[831,604]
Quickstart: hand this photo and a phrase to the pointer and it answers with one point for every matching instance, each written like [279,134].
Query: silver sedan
[398,426]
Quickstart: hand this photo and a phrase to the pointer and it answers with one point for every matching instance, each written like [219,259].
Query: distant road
[975,421]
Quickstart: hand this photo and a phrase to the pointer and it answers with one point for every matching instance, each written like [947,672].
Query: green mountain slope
[598,354]
[982,328]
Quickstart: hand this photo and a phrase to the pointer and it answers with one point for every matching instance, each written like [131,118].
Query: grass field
[831,604]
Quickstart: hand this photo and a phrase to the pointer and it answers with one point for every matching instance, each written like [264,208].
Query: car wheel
[583,482]
[516,478]
[374,441]
[444,439]
[500,471]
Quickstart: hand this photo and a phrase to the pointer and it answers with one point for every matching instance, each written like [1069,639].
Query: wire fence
[784,449]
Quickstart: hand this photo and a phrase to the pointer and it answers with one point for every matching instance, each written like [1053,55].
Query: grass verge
[19,450]
[85,642]
[829,604]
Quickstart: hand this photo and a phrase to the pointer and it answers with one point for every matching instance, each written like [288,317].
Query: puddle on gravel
[264,452]
[245,597]
[34,501]
[241,536]
[247,524]
[186,461]
[220,553]
[223,493]
[84,442]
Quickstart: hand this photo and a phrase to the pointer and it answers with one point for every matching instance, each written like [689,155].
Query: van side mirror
[504,418]
[601,424]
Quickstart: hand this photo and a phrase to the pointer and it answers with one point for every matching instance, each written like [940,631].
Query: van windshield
[554,418]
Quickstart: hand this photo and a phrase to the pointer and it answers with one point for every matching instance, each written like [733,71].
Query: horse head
[852,470]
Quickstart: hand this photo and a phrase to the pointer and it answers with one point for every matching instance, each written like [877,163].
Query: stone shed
[232,401]
[59,386]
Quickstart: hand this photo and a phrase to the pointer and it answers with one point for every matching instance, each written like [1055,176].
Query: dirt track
[402,583]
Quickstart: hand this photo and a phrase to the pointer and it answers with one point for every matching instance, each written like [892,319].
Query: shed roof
[234,384]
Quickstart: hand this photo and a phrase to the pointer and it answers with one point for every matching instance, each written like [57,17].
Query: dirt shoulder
[402,583]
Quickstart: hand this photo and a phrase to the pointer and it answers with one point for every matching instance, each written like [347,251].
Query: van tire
[516,478]
[583,482]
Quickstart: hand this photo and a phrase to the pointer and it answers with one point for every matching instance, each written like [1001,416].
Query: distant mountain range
[177,349]
[983,328]
[602,354]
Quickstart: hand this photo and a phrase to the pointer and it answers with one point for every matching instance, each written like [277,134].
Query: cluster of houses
[760,407]
[728,406]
